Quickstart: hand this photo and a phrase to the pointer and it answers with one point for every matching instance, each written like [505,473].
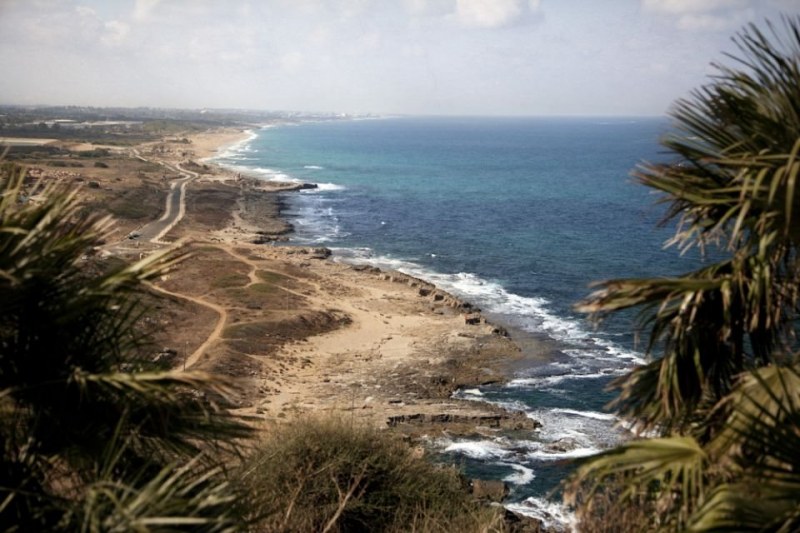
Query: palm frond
[719,336]
[708,326]
[674,466]
[72,380]
[170,414]
[762,437]
[178,498]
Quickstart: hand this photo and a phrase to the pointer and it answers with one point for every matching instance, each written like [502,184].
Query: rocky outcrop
[439,298]
[490,490]
[517,523]
[263,237]
[514,421]
[313,253]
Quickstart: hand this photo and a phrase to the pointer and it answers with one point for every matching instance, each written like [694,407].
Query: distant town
[126,126]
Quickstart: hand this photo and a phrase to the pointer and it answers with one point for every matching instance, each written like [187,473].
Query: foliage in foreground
[723,393]
[93,439]
[90,439]
[326,475]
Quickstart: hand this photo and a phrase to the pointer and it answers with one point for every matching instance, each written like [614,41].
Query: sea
[518,216]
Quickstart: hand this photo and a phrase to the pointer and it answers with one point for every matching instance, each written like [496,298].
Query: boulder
[472,319]
[489,490]
[517,523]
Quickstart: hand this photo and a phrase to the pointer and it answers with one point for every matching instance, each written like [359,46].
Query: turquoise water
[516,215]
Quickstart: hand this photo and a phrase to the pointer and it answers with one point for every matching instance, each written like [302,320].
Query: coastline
[305,334]
[392,348]
[302,334]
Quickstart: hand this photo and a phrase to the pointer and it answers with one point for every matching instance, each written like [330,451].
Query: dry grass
[328,475]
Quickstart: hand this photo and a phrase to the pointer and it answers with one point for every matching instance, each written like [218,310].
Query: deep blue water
[516,215]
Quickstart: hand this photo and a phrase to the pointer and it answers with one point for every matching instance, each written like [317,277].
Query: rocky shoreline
[306,334]
[302,334]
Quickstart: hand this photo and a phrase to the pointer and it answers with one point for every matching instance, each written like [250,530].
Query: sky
[428,57]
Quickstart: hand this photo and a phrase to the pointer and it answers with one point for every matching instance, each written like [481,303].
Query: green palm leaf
[73,376]
[719,379]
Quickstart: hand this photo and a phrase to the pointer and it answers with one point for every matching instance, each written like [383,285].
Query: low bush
[322,475]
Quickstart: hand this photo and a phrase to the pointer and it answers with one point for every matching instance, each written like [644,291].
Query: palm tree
[91,436]
[722,392]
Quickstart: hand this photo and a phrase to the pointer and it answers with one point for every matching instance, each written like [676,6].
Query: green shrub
[326,475]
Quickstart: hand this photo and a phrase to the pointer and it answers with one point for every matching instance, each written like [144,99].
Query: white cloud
[428,7]
[115,32]
[292,62]
[85,12]
[681,7]
[488,13]
[143,8]
[715,22]
[416,7]
[352,8]
[703,15]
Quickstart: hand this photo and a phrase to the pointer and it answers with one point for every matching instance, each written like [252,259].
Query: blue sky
[453,57]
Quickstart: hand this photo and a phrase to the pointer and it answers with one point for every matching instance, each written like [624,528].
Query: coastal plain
[301,333]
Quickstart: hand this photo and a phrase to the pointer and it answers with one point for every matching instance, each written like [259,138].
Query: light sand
[212,143]
[24,141]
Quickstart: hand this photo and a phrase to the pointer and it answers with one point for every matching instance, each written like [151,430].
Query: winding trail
[214,336]
[154,232]
[252,274]
[221,311]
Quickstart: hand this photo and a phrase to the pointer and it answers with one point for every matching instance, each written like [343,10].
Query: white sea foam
[539,381]
[472,392]
[484,449]
[316,221]
[262,173]
[617,352]
[565,430]
[553,444]
[522,475]
[326,187]
[587,414]
[554,516]
[601,357]
[545,455]
[313,167]
[236,148]
[272,174]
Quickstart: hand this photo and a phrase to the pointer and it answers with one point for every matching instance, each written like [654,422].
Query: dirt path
[215,335]
[252,274]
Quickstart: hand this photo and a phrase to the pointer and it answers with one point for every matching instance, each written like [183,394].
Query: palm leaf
[672,465]
[72,380]
[719,336]
[762,437]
